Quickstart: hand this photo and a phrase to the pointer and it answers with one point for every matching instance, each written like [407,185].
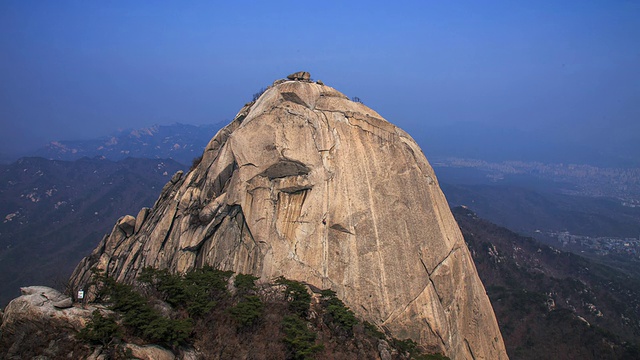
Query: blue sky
[564,69]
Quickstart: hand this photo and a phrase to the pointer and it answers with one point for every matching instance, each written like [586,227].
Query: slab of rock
[306,184]
[63,304]
[150,352]
[142,216]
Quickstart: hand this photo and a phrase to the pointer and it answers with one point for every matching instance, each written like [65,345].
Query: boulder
[38,304]
[127,224]
[300,76]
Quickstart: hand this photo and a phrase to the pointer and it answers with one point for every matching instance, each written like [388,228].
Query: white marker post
[81,297]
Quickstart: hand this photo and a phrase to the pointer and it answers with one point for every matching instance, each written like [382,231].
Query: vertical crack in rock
[318,130]
[466,342]
[437,333]
[435,289]
[245,227]
[409,145]
[253,258]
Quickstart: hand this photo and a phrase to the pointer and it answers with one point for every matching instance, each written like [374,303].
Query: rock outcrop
[43,304]
[39,312]
[45,312]
[300,76]
[307,184]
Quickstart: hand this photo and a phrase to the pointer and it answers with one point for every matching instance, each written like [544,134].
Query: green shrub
[142,318]
[372,330]
[100,330]
[245,283]
[337,312]
[248,311]
[197,291]
[172,332]
[297,295]
[169,285]
[299,339]
[410,346]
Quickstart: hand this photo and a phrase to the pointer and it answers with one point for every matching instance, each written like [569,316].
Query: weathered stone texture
[307,184]
[41,304]
[39,308]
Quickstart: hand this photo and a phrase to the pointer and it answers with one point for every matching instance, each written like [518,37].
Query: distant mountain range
[179,142]
[52,213]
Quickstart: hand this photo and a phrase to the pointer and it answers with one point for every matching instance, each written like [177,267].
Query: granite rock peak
[306,184]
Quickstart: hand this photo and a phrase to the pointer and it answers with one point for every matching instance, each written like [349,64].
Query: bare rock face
[307,184]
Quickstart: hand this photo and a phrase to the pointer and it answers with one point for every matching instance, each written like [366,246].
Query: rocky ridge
[306,184]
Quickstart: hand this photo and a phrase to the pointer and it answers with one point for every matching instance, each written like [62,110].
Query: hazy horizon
[529,77]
